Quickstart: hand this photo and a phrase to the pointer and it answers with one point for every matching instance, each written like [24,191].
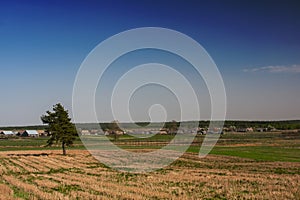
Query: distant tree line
[173,125]
[281,125]
[11,128]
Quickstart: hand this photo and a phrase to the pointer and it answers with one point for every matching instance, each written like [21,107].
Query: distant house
[41,132]
[30,133]
[85,132]
[261,129]
[163,132]
[15,132]
[241,130]
[114,132]
[95,132]
[20,132]
[7,133]
[119,132]
[249,129]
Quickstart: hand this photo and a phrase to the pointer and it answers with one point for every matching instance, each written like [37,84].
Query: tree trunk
[64,148]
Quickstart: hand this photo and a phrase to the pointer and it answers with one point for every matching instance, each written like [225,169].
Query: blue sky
[255,44]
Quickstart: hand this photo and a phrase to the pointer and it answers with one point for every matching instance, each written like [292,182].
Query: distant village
[166,131]
[146,131]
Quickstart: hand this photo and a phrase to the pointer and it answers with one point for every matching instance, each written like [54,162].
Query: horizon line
[205,120]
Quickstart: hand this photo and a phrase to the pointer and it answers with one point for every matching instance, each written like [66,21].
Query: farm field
[33,175]
[241,166]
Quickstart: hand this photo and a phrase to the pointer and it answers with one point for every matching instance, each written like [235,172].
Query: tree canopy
[60,127]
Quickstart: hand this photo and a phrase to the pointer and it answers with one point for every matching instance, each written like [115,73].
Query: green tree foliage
[110,127]
[114,128]
[172,127]
[59,127]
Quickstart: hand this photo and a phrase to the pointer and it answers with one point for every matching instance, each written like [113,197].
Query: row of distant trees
[280,125]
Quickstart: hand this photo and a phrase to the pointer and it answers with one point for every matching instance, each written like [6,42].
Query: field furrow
[79,176]
[24,166]
[6,193]
[36,162]
[12,167]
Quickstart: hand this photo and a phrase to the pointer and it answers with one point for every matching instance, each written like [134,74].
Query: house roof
[20,131]
[32,132]
[7,132]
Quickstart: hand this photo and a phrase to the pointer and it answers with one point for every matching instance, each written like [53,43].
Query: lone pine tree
[60,127]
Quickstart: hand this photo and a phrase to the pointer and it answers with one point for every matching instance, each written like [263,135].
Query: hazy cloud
[276,69]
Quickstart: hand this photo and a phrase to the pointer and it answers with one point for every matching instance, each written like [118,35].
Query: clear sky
[255,44]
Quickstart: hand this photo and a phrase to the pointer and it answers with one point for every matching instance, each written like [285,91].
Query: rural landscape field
[241,166]
[150,100]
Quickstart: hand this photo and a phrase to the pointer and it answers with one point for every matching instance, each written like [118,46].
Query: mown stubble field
[46,174]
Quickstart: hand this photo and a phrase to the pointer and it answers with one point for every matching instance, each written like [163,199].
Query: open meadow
[241,166]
